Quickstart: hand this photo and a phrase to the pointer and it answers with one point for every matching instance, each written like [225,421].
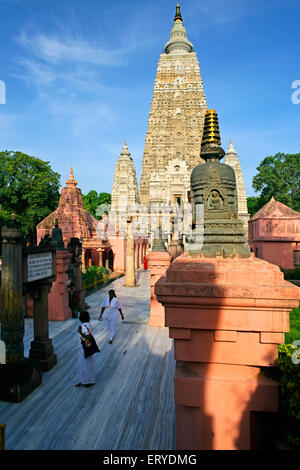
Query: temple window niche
[177,199]
[296,254]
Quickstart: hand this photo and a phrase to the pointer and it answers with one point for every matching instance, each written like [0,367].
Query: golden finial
[211,132]
[178,16]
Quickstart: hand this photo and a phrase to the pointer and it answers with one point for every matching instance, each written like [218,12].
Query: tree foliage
[93,200]
[254,204]
[29,188]
[279,176]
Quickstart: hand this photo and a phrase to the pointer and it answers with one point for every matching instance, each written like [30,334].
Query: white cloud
[57,50]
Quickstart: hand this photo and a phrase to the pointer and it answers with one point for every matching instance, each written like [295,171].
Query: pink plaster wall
[118,245]
[274,240]
[158,263]
[227,317]
[279,253]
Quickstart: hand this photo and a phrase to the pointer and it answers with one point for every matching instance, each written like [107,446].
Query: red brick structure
[274,234]
[75,221]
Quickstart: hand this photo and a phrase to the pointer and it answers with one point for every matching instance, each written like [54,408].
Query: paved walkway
[131,405]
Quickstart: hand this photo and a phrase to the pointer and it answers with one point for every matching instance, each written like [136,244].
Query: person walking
[112,305]
[85,366]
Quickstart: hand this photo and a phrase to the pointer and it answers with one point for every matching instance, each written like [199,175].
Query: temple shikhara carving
[175,125]
[173,143]
[173,140]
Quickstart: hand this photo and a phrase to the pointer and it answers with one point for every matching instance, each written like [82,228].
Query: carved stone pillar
[19,376]
[59,298]
[83,260]
[41,347]
[100,253]
[75,247]
[130,255]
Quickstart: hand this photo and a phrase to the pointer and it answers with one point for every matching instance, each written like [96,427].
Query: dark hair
[84,316]
[111,290]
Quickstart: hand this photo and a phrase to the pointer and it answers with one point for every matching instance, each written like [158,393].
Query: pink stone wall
[58,299]
[118,245]
[227,317]
[279,253]
[158,263]
[274,229]
[274,240]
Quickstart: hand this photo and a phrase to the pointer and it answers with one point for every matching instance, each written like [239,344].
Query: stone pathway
[131,405]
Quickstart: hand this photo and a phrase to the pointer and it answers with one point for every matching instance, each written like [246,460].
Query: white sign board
[39,266]
[2,352]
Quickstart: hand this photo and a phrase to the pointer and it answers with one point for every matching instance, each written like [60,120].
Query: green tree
[29,188]
[92,200]
[279,176]
[254,204]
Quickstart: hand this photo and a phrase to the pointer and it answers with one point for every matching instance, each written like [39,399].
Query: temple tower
[71,216]
[175,125]
[232,159]
[125,191]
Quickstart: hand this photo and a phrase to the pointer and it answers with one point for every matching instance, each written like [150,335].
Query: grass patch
[294,333]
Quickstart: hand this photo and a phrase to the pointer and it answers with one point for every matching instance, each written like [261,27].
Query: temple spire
[231,148]
[71,183]
[178,16]
[178,41]
[125,151]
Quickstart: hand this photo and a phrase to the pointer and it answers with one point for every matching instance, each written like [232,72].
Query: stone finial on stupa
[71,183]
[214,194]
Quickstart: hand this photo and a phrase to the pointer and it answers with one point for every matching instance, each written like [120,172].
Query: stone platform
[130,407]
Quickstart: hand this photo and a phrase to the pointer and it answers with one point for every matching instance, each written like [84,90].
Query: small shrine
[74,221]
[274,234]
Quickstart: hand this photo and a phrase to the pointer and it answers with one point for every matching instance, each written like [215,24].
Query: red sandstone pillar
[58,299]
[158,263]
[227,317]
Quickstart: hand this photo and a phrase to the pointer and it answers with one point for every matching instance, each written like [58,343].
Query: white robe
[85,366]
[111,314]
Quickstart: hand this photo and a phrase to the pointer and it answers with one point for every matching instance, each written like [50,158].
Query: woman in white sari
[85,366]
[112,305]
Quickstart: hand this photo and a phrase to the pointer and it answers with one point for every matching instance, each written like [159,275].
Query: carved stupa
[214,198]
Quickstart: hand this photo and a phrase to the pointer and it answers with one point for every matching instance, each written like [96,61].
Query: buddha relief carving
[215,200]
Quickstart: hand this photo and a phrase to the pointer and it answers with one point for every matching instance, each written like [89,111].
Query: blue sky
[79,78]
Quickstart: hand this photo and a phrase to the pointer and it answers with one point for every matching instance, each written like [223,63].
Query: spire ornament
[178,16]
[178,41]
[71,183]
